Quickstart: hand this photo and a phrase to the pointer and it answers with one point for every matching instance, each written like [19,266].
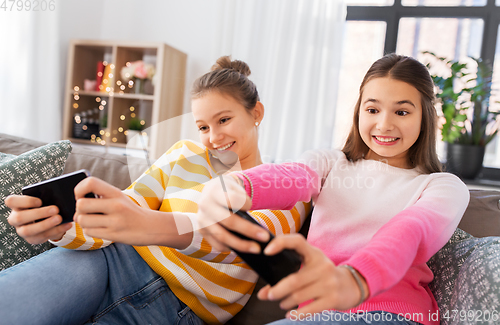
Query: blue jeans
[112,285]
[339,318]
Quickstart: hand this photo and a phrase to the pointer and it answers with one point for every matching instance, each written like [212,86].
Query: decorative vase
[465,161]
[139,85]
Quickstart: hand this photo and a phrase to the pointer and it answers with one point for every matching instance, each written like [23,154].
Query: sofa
[467,269]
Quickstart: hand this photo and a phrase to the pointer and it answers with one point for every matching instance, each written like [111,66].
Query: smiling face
[390,119]
[225,125]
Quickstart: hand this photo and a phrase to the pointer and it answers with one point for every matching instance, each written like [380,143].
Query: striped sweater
[215,285]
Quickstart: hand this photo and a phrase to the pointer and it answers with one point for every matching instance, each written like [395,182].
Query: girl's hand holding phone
[319,280]
[26,210]
[114,216]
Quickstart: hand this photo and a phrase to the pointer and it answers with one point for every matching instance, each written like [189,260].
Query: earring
[256,123]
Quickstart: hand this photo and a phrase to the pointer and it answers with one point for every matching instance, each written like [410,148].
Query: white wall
[34,58]
[191,26]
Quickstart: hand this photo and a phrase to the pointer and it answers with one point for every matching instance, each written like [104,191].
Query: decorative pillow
[4,157]
[16,172]
[467,279]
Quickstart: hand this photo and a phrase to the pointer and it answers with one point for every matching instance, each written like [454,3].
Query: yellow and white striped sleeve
[148,190]
[75,239]
[277,221]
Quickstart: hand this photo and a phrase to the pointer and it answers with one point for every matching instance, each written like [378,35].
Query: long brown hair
[229,78]
[422,153]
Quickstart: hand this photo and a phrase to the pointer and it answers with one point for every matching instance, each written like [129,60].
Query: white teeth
[227,146]
[385,139]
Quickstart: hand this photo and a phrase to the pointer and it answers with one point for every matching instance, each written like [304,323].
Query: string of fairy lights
[95,119]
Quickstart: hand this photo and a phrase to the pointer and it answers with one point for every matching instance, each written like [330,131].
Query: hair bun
[224,62]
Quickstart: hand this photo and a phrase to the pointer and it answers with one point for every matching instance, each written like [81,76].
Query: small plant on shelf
[103,122]
[135,137]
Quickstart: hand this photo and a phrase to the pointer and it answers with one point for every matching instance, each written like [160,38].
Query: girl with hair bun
[171,274]
[383,208]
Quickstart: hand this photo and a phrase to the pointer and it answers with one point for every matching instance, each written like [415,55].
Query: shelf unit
[101,117]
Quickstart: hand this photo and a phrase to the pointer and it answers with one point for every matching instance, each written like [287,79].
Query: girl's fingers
[216,244]
[297,242]
[292,284]
[23,217]
[96,186]
[87,221]
[102,233]
[247,228]
[263,292]
[58,232]
[39,232]
[224,239]
[315,267]
[316,306]
[308,292]
[88,205]
[19,202]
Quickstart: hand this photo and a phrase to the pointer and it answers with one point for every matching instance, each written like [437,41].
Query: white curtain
[30,81]
[293,48]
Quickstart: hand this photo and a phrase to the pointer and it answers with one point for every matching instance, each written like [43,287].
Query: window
[363,44]
[441,3]
[452,28]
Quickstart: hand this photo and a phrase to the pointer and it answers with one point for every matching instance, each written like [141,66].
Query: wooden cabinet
[100,112]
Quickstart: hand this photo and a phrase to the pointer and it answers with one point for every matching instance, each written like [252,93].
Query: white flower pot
[137,139]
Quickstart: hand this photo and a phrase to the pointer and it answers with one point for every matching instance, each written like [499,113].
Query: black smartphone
[271,268]
[59,191]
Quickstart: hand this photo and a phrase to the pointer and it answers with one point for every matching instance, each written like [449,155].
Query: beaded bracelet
[358,281]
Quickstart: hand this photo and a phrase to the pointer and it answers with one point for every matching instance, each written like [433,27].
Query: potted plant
[135,137]
[470,119]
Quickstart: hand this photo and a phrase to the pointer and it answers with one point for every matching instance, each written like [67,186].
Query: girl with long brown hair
[382,208]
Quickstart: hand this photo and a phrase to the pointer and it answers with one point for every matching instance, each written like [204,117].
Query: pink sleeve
[280,186]
[413,236]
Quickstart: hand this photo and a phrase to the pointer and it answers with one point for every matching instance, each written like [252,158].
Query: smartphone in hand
[59,191]
[272,268]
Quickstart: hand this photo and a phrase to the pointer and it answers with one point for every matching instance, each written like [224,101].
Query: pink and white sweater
[384,221]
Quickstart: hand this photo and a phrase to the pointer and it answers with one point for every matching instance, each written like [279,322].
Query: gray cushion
[15,172]
[482,217]
[466,281]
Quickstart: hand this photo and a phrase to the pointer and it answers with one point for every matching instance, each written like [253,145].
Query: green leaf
[458,104]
